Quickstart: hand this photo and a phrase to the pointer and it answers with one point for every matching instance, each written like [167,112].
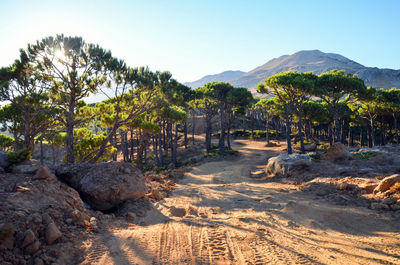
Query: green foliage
[257,134]
[19,156]
[6,142]
[322,147]
[313,155]
[364,155]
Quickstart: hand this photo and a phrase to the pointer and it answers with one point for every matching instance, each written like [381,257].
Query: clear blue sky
[195,38]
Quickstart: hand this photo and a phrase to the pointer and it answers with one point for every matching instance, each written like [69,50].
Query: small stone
[126,170]
[131,215]
[29,238]
[38,261]
[386,183]
[36,218]
[7,243]
[33,248]
[68,221]
[343,186]
[369,188]
[52,233]
[379,206]
[46,219]
[390,200]
[44,173]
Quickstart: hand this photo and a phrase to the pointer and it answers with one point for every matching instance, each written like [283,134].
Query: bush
[6,141]
[365,155]
[322,147]
[19,156]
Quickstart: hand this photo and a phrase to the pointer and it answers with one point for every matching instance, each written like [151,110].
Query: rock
[390,200]
[27,167]
[45,174]
[131,215]
[4,162]
[52,233]
[310,147]
[369,187]
[7,239]
[386,183]
[343,186]
[336,152]
[38,261]
[379,206]
[178,212]
[36,218]
[104,185]
[46,219]
[257,174]
[395,207]
[283,165]
[32,248]
[29,238]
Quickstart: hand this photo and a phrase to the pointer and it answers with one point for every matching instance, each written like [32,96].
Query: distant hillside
[222,77]
[317,62]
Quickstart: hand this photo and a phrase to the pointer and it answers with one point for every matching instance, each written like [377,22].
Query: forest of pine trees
[149,116]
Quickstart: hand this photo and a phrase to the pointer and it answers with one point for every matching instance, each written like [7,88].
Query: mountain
[317,62]
[222,77]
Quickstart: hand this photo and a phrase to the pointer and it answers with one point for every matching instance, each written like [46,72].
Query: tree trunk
[160,147]
[288,133]
[336,132]
[372,133]
[175,146]
[41,150]
[300,128]
[221,143]
[208,134]
[185,132]
[69,142]
[193,126]
[267,128]
[140,149]
[228,136]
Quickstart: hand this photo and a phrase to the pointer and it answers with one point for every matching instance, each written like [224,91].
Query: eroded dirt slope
[217,214]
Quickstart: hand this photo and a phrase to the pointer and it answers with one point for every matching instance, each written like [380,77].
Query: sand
[217,214]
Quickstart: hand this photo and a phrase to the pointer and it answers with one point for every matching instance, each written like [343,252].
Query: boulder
[4,162]
[44,173]
[379,206]
[369,187]
[52,233]
[386,183]
[27,167]
[284,165]
[32,248]
[310,147]
[390,200]
[29,238]
[336,152]
[105,185]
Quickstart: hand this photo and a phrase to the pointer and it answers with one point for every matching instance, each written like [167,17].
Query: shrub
[19,156]
[365,155]
[6,141]
[322,147]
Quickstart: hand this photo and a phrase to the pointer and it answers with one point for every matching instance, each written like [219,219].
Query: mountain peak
[314,61]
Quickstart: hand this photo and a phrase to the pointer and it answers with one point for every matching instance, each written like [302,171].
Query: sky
[196,38]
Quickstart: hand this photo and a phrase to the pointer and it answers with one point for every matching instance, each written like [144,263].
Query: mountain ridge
[314,61]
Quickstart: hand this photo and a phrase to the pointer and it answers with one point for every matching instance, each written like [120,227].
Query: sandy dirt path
[217,214]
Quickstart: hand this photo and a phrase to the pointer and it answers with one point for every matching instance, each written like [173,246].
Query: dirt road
[219,215]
